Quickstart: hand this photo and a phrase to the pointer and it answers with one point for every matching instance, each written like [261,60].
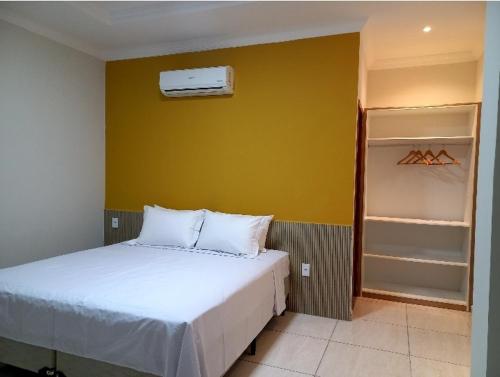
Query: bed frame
[26,356]
[47,362]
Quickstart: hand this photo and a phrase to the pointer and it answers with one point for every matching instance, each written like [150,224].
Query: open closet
[419,182]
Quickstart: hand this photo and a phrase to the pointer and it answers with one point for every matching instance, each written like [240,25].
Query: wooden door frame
[359,204]
[359,192]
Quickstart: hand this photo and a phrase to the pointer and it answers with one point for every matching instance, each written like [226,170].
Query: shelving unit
[418,220]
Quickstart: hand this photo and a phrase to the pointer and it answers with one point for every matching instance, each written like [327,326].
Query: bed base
[50,372]
[50,363]
[26,356]
[253,347]
[75,366]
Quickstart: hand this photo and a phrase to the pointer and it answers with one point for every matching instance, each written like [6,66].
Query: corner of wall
[479,78]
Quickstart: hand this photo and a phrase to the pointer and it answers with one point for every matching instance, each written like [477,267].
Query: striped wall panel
[129,226]
[327,248]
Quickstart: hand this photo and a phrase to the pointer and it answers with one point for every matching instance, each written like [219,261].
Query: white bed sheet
[169,312]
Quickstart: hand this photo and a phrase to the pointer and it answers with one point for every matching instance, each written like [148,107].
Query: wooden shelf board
[402,111]
[402,220]
[417,293]
[416,258]
[420,140]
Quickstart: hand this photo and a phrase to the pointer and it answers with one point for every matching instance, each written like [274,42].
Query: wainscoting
[327,248]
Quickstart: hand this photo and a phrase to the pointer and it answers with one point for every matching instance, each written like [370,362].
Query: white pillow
[168,227]
[235,234]
[264,228]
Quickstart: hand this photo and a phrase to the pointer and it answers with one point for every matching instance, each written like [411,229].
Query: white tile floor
[385,339]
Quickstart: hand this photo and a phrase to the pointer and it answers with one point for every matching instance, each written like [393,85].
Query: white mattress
[169,312]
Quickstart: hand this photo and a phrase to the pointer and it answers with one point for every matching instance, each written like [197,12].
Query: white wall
[479,79]
[51,148]
[423,85]
[486,310]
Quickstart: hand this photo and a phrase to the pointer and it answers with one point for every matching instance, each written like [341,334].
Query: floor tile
[303,324]
[440,346]
[380,311]
[430,368]
[342,360]
[377,335]
[451,321]
[289,351]
[247,369]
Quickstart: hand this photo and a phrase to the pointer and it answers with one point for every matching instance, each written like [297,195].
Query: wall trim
[207,44]
[170,48]
[49,33]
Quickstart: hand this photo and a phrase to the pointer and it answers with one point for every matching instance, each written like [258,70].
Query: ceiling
[394,37]
[392,31]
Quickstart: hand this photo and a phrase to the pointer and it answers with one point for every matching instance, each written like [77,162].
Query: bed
[141,310]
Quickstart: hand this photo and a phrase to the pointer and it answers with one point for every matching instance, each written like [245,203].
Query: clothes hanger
[436,161]
[424,158]
[420,159]
[453,160]
[408,157]
[429,155]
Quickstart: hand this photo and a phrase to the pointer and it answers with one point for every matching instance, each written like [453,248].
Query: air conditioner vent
[197,82]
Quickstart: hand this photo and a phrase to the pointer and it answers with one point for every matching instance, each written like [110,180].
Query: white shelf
[401,220]
[385,141]
[448,121]
[420,110]
[420,257]
[417,223]
[418,293]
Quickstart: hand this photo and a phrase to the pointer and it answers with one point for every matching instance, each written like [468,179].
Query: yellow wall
[283,144]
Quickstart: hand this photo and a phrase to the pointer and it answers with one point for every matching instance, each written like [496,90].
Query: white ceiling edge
[76,44]
[205,44]
[183,46]
[152,11]
[425,60]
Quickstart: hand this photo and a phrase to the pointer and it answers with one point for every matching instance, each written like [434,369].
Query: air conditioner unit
[197,82]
